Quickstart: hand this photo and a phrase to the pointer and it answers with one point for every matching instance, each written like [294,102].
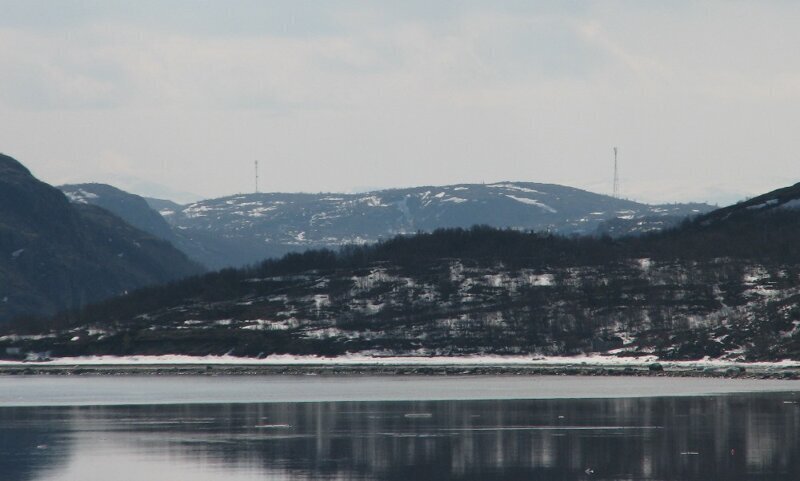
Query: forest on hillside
[769,238]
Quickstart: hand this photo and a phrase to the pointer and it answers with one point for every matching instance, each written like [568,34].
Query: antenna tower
[256,177]
[616,175]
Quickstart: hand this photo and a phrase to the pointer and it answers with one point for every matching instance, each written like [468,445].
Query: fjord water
[644,436]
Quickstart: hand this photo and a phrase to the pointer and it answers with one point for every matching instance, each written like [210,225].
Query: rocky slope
[56,255]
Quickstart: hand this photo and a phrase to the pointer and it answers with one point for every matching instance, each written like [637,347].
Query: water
[109,390]
[568,433]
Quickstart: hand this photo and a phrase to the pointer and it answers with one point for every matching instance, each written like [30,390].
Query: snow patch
[266,325]
[321,300]
[372,201]
[792,204]
[541,280]
[455,200]
[375,277]
[763,205]
[80,196]
[259,211]
[514,187]
[755,276]
[495,280]
[528,201]
[197,210]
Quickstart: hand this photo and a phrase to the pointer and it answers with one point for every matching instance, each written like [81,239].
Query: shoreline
[228,366]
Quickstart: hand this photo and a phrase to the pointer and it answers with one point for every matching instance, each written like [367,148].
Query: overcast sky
[178,98]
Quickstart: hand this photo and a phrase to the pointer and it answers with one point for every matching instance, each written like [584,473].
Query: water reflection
[695,438]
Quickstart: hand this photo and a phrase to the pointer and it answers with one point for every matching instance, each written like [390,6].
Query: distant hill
[777,201]
[271,224]
[723,285]
[248,228]
[132,208]
[207,248]
[163,206]
[55,254]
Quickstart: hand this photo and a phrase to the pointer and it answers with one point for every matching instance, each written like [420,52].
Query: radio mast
[616,176]
[256,177]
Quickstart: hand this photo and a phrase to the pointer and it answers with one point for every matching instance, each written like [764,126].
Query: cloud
[403,93]
[46,72]
[103,65]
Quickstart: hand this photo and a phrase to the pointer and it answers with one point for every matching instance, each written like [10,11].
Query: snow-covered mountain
[247,228]
[276,223]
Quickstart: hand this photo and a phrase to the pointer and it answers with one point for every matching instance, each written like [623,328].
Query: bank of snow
[366,360]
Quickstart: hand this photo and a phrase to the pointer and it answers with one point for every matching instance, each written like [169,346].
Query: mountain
[55,254]
[723,285]
[131,208]
[206,248]
[163,206]
[777,201]
[246,229]
[271,224]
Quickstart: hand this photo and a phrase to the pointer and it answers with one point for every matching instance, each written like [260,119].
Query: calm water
[695,436]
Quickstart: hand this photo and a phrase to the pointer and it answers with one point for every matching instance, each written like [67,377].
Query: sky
[178,99]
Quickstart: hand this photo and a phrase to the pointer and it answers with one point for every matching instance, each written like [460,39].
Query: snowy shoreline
[366,361]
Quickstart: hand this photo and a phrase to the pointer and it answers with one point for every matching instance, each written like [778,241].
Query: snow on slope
[327,220]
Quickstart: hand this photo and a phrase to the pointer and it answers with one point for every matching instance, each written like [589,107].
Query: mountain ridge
[286,222]
[247,228]
[56,255]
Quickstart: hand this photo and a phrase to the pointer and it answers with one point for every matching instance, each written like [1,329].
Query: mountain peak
[10,165]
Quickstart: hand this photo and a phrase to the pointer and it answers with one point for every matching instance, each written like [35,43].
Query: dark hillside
[131,208]
[207,248]
[725,288]
[56,255]
[474,291]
